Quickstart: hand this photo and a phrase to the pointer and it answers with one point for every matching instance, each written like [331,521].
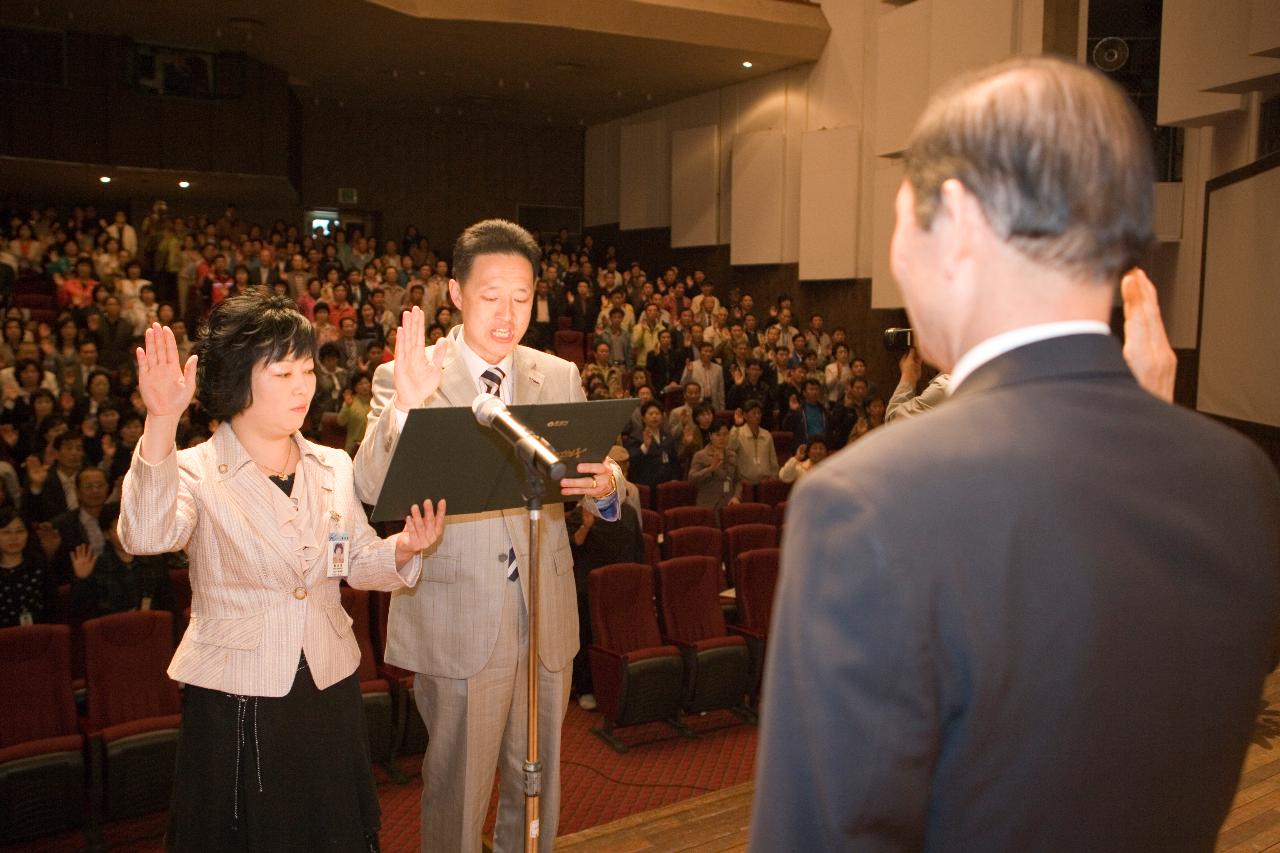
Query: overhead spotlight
[747,63]
[501,83]
[184,184]
[395,72]
[105,179]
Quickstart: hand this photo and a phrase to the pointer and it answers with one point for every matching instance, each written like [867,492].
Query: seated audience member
[349,347]
[665,364]
[643,394]
[820,341]
[806,417]
[595,545]
[802,462]
[27,591]
[753,445]
[331,379]
[185,344]
[604,369]
[696,434]
[708,375]
[617,299]
[682,416]
[113,580]
[326,332]
[750,385]
[714,471]
[117,450]
[581,308]
[81,525]
[654,457]
[617,338]
[145,310]
[844,415]
[76,291]
[645,333]
[369,325]
[354,414]
[52,487]
[837,374]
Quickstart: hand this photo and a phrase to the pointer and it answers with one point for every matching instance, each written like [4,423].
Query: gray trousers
[478,723]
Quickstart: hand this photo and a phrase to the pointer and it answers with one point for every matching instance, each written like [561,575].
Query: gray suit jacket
[1036,618]
[448,624]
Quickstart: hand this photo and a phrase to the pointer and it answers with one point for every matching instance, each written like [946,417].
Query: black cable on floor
[606,776]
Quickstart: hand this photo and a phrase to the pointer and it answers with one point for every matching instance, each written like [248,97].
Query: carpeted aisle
[598,784]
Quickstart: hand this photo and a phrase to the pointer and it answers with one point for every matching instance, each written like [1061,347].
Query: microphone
[490,411]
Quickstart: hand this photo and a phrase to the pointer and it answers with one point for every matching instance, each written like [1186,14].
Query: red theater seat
[746,537]
[637,678]
[133,711]
[374,689]
[717,664]
[41,749]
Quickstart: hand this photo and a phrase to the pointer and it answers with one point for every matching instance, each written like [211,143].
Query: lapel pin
[335,517]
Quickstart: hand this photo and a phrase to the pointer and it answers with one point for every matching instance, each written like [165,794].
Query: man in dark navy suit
[1038,617]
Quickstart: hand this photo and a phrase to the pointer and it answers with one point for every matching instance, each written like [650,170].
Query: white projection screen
[1239,336]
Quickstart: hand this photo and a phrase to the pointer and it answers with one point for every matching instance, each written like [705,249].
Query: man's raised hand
[416,377]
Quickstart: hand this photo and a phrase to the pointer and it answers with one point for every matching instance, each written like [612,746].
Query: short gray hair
[1056,156]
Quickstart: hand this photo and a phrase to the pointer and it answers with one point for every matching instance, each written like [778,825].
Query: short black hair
[87,469]
[752,405]
[242,332]
[62,438]
[649,404]
[493,237]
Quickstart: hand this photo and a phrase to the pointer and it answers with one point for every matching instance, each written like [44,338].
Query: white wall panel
[695,182]
[885,292]
[794,127]
[967,34]
[644,186]
[758,164]
[829,204]
[902,74]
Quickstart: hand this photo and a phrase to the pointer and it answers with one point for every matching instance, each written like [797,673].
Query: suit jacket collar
[1061,358]
[231,456]
[458,387]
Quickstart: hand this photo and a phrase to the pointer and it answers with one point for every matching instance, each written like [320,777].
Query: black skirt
[274,774]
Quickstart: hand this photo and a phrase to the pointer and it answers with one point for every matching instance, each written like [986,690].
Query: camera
[899,340]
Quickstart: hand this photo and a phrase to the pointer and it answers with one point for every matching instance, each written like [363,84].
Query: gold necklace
[287,459]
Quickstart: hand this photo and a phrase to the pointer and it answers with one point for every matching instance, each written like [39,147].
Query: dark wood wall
[437,174]
[98,117]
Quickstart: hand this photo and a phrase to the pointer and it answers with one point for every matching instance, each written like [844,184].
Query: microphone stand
[532,763]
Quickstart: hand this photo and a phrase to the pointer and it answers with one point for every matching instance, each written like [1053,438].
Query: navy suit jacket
[1036,618]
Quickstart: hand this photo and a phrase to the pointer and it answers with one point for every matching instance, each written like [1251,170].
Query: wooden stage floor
[719,822]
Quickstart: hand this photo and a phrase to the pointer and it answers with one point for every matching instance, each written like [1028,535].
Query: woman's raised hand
[166,385]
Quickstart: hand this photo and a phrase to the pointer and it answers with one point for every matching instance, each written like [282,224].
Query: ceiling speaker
[1111,54]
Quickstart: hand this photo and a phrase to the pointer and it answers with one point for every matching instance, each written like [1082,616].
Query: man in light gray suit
[463,630]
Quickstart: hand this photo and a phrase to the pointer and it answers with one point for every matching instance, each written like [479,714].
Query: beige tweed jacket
[448,624]
[260,594]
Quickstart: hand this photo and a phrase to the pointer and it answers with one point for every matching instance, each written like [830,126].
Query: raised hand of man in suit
[416,377]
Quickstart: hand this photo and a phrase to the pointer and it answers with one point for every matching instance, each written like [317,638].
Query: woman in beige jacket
[272,753]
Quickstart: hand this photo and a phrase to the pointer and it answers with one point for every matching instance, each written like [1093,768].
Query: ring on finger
[594,485]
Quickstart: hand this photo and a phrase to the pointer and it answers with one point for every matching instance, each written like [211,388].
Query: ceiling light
[184,184]
[747,63]
[105,179]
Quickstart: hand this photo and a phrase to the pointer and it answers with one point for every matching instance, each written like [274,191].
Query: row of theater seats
[60,769]
[675,493]
[661,646]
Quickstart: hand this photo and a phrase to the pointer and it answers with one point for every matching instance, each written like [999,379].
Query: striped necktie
[491,380]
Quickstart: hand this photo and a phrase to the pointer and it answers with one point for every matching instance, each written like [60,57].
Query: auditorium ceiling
[564,61]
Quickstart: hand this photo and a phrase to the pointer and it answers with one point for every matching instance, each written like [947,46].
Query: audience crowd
[729,392]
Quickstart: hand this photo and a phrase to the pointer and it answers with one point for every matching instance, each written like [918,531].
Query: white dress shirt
[1004,342]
